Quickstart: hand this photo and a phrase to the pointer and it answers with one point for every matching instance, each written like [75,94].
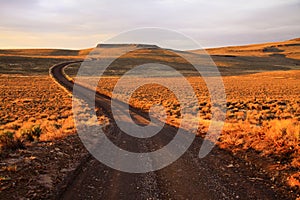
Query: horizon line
[78,49]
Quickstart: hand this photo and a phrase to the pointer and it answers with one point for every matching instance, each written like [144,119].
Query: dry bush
[34,108]
[8,140]
[263,112]
[294,180]
[277,138]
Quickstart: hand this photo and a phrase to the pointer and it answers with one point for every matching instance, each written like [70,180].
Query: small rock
[45,180]
[60,153]
[66,170]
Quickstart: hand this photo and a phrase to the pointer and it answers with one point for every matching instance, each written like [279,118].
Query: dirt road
[217,176]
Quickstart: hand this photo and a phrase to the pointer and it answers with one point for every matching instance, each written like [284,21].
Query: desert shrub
[57,126]
[9,141]
[284,135]
[279,139]
[16,126]
[32,134]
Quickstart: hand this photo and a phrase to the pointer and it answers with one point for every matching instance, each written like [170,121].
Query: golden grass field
[263,114]
[35,101]
[262,84]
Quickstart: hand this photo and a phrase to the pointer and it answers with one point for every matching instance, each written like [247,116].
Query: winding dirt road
[217,176]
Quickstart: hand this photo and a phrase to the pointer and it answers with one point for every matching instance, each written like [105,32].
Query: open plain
[258,149]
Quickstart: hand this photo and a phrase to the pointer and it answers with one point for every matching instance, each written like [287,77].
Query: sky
[72,24]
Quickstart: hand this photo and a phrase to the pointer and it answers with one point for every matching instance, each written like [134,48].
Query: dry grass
[31,102]
[276,138]
[263,113]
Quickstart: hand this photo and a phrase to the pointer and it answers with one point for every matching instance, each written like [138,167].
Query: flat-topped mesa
[146,46]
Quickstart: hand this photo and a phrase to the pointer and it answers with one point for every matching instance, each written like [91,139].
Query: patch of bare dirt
[36,171]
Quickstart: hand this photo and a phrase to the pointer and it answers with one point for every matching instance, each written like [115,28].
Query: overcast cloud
[84,23]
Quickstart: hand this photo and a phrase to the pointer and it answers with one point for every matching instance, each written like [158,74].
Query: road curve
[217,176]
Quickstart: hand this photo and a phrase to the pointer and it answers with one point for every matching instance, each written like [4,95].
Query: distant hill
[289,49]
[148,46]
[255,58]
[232,60]
[46,53]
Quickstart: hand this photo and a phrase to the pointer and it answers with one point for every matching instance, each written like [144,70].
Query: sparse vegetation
[35,109]
[8,140]
[263,113]
[262,118]
[32,134]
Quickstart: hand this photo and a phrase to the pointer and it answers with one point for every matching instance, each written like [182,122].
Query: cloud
[212,23]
